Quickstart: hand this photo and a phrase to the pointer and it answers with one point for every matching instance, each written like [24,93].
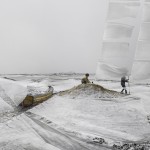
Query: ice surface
[20,134]
[113,121]
[64,123]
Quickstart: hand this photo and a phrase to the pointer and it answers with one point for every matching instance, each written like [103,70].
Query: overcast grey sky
[47,36]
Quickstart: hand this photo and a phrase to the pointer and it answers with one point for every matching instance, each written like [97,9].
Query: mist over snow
[51,35]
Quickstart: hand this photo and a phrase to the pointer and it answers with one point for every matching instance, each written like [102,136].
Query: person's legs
[124,88]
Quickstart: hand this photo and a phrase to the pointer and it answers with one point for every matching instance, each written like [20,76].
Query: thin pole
[129,84]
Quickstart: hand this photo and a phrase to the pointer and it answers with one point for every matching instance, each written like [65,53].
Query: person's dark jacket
[123,81]
[85,80]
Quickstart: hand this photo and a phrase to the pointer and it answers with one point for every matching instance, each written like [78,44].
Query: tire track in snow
[6,98]
[59,138]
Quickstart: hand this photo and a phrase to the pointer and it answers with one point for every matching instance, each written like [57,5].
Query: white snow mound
[4,107]
[14,90]
[38,89]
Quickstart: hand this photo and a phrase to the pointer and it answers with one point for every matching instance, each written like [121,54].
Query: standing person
[123,84]
[85,80]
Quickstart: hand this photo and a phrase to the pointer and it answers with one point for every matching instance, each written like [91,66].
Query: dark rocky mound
[132,146]
[90,91]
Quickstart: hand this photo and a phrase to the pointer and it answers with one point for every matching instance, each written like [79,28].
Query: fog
[47,36]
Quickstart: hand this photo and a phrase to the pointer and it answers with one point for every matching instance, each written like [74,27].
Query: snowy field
[64,123]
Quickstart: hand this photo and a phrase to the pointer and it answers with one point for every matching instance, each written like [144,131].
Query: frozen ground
[69,123]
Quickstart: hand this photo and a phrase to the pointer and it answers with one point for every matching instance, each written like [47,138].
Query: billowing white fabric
[141,70]
[118,61]
[14,90]
[146,13]
[109,71]
[115,50]
[117,31]
[145,32]
[124,0]
[114,61]
[141,64]
[122,43]
[124,9]
[143,51]
[147,0]
[115,54]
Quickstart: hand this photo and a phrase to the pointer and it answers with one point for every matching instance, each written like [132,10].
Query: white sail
[126,41]
[147,0]
[113,53]
[117,31]
[125,10]
[110,72]
[143,50]
[115,50]
[126,0]
[120,39]
[146,13]
[141,64]
[141,71]
[145,32]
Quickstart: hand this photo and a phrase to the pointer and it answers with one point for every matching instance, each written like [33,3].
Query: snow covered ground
[64,123]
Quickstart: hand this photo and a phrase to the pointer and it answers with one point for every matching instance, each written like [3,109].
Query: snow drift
[65,123]
[4,107]
[15,91]
[90,91]
[36,89]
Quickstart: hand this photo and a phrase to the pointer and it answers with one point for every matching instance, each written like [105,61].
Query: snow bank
[27,132]
[66,123]
[14,90]
[4,107]
[45,82]
[38,88]
[22,133]
[120,120]
[90,91]
[61,85]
